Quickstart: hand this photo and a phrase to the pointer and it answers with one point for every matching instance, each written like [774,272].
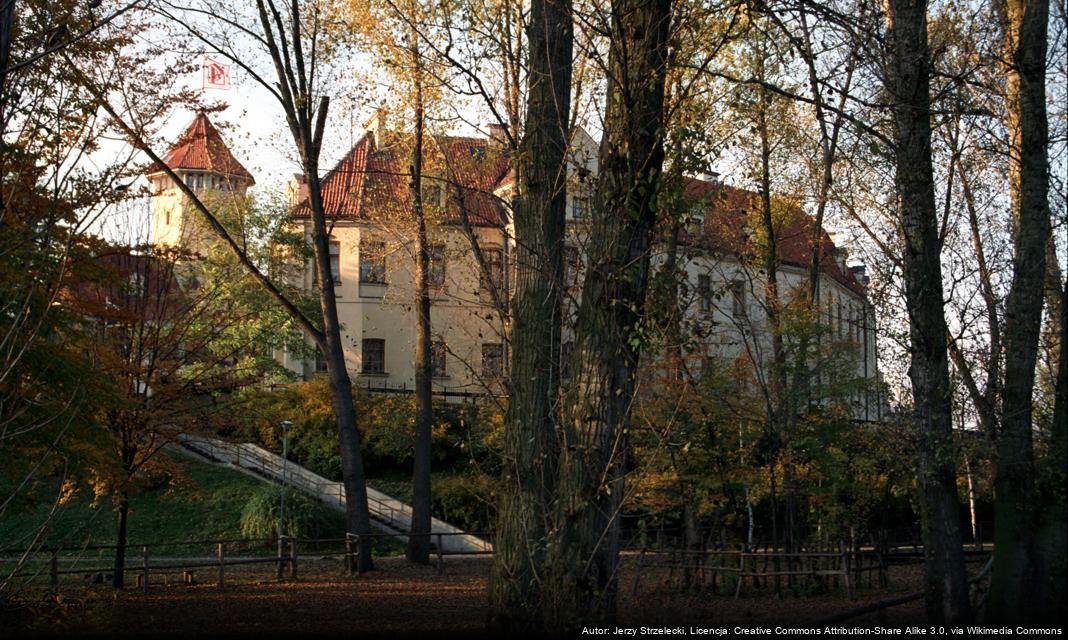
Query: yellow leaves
[67,491]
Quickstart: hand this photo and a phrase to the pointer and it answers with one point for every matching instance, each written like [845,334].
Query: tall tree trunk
[7,30]
[531,445]
[908,71]
[1024,26]
[358,517]
[118,573]
[419,538]
[584,548]
[1051,580]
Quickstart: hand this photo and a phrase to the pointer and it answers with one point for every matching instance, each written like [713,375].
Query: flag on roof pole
[216,74]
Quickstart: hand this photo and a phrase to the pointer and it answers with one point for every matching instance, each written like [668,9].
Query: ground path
[401,599]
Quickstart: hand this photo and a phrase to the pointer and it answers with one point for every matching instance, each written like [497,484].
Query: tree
[295,41]
[393,31]
[531,421]
[167,352]
[584,544]
[908,73]
[49,197]
[1016,565]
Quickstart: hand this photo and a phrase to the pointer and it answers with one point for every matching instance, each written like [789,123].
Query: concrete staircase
[387,514]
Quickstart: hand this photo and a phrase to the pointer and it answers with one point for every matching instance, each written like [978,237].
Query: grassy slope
[205,504]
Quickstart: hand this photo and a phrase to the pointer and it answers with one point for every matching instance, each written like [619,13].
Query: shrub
[305,517]
[468,501]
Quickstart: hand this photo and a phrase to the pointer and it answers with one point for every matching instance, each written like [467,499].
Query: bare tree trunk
[358,517]
[531,444]
[584,548]
[419,538]
[908,73]
[1050,584]
[118,573]
[1015,508]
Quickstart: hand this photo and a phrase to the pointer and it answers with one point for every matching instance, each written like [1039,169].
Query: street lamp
[286,425]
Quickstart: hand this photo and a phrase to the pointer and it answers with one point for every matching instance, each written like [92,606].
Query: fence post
[637,573]
[281,557]
[293,558]
[741,574]
[144,569]
[53,571]
[845,570]
[441,557]
[222,565]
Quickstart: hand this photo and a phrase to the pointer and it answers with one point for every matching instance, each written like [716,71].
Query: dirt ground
[401,599]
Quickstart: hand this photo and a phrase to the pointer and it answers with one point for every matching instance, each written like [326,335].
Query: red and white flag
[216,74]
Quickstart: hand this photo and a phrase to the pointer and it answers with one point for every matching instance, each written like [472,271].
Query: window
[437,359]
[320,363]
[494,259]
[374,355]
[492,361]
[189,180]
[840,325]
[167,217]
[738,298]
[373,262]
[695,224]
[581,204]
[704,292]
[436,274]
[335,262]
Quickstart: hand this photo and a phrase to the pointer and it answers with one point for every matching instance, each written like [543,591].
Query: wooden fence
[724,569]
[226,554]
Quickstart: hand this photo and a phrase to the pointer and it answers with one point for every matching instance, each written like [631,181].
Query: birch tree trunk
[908,80]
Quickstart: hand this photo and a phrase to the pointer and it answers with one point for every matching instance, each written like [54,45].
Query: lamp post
[286,425]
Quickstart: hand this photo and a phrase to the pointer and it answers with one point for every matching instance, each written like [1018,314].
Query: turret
[205,164]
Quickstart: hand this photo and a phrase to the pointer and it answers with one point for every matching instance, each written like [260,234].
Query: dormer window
[695,223]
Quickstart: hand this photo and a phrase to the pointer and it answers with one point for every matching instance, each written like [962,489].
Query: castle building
[203,161]
[467,190]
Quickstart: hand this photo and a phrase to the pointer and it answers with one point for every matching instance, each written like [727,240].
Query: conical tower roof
[201,148]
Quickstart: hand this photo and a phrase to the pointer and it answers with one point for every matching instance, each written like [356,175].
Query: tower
[205,164]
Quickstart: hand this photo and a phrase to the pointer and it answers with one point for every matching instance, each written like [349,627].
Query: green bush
[305,517]
[468,501]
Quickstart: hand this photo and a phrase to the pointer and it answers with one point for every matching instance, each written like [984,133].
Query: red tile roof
[371,182]
[125,286]
[727,220]
[201,148]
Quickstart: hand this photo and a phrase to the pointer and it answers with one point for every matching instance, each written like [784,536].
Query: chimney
[376,125]
[860,272]
[838,252]
[498,135]
[296,189]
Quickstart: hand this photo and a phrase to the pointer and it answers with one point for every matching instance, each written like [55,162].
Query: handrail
[392,512]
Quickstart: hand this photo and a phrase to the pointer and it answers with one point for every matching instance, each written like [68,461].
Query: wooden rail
[846,567]
[287,556]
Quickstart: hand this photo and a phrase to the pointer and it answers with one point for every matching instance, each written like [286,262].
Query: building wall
[462,313]
[463,316]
